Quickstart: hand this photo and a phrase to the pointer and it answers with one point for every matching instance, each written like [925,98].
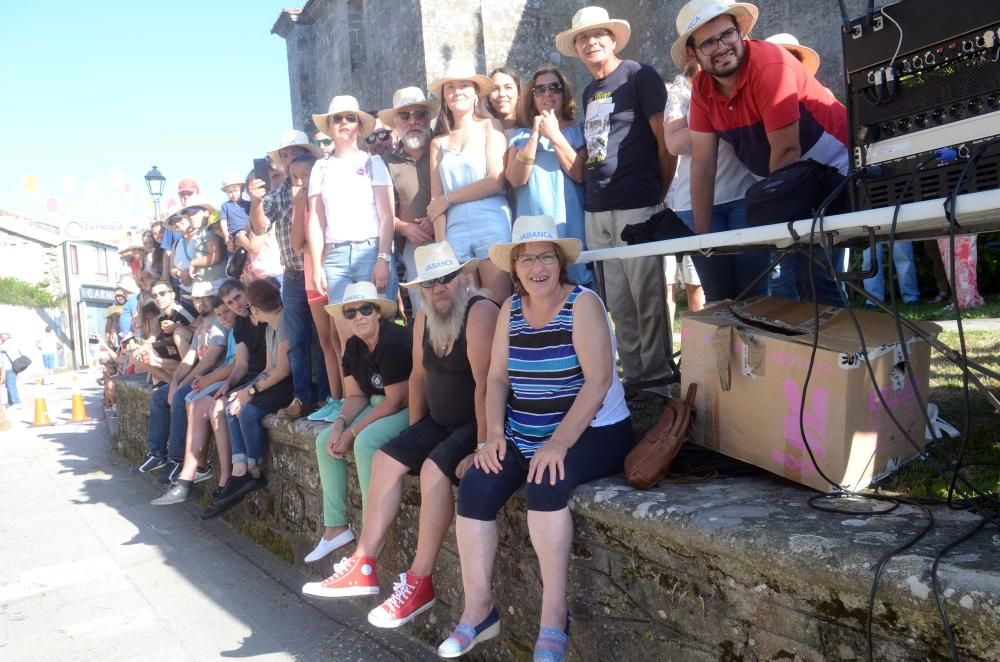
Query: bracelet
[526,160]
[353,433]
[340,418]
[384,256]
[480,446]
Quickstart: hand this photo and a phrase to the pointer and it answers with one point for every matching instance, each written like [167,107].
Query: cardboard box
[750,360]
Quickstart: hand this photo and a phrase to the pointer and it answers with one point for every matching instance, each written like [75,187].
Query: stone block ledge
[735,569]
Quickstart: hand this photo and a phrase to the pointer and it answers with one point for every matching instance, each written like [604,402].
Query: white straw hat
[360,293]
[403,98]
[590,18]
[807,56]
[294,138]
[199,201]
[229,179]
[534,228]
[201,288]
[343,104]
[461,71]
[127,283]
[436,260]
[697,13]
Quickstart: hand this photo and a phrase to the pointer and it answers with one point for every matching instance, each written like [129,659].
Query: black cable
[937,586]
[843,15]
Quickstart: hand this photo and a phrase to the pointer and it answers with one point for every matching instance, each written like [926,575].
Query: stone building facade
[369,48]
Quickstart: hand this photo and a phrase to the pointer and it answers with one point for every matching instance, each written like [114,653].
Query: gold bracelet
[526,160]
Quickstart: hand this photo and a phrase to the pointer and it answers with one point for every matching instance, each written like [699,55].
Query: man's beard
[443,329]
[416,139]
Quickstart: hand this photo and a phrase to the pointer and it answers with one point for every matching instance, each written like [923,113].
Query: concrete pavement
[89,570]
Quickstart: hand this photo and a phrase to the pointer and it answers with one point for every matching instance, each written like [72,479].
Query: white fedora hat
[590,18]
[230,179]
[534,228]
[362,292]
[697,13]
[199,201]
[294,138]
[807,56]
[341,105]
[201,288]
[436,260]
[460,71]
[127,283]
[404,98]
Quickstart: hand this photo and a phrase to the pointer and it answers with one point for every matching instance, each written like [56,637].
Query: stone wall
[735,569]
[369,49]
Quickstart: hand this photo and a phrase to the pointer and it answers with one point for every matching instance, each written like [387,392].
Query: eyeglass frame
[721,39]
[379,135]
[365,310]
[444,280]
[555,87]
[422,114]
[527,260]
[324,142]
[350,118]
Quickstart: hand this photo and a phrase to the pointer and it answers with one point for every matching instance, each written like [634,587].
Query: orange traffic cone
[41,412]
[79,413]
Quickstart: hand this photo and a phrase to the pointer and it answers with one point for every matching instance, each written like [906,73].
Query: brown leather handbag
[648,462]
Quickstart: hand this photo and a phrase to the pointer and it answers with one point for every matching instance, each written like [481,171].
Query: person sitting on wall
[447,391]
[555,417]
[161,354]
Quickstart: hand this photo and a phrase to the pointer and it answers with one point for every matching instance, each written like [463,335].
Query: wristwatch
[252,391]
[385,256]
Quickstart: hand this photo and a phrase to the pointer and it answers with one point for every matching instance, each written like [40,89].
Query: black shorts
[426,440]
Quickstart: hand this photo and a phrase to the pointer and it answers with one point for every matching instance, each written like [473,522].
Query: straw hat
[294,138]
[697,13]
[229,179]
[127,283]
[341,104]
[198,201]
[360,293]
[201,288]
[460,71]
[175,215]
[130,243]
[590,18]
[534,228]
[403,98]
[436,260]
[807,56]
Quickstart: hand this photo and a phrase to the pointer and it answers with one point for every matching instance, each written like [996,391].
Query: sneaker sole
[485,635]
[388,624]
[320,592]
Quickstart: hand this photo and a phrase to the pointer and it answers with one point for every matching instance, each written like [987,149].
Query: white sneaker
[326,546]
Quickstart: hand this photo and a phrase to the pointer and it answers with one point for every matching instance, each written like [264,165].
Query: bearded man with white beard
[410,170]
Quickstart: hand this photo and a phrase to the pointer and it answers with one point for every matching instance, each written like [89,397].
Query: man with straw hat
[410,170]
[758,97]
[275,208]
[626,176]
[451,356]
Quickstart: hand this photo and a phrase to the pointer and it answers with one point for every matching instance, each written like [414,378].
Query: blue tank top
[458,169]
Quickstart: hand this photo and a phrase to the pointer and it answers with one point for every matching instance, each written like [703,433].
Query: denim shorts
[346,263]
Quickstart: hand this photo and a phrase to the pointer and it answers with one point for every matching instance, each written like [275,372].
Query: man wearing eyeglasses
[324,142]
[409,169]
[759,98]
[382,139]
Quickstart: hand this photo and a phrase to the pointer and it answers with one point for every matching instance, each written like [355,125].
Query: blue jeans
[168,422]
[725,276]
[790,279]
[13,397]
[247,434]
[352,263]
[301,335]
[906,272]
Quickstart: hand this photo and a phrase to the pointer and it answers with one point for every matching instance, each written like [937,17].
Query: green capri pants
[333,472]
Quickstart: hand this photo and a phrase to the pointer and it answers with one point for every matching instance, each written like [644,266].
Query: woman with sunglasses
[467,206]
[545,161]
[351,210]
[376,371]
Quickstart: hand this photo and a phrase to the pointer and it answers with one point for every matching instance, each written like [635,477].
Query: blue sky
[94,93]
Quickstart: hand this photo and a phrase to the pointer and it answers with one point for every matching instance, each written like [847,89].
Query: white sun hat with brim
[200,289]
[342,105]
[130,243]
[197,201]
[363,292]
[697,13]
[807,56]
[592,18]
[436,260]
[404,98]
[231,179]
[534,228]
[127,283]
[460,71]
[294,138]
[172,216]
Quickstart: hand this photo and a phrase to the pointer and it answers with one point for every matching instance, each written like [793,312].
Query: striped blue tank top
[544,373]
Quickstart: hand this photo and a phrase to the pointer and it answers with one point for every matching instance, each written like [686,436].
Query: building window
[101,271]
[355,33]
[74,263]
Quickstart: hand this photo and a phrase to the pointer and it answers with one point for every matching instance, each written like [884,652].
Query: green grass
[16,292]
[939,311]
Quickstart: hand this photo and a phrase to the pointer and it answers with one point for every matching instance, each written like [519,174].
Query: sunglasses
[324,142]
[378,136]
[539,90]
[444,280]
[350,118]
[161,293]
[416,114]
[364,310]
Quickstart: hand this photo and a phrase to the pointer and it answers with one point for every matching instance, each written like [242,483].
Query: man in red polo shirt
[757,97]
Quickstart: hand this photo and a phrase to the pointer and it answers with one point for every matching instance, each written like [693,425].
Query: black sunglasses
[444,280]
[350,118]
[324,142]
[539,90]
[364,310]
[161,293]
[378,136]
[417,114]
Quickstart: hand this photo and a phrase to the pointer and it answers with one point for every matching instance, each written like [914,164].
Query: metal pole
[156,208]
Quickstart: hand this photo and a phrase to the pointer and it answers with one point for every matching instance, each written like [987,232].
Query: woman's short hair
[563,271]
[264,295]
[568,109]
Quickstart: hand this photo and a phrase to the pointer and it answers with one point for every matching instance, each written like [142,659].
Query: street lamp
[154,184]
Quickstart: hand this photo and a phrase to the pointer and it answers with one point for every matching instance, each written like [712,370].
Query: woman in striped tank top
[555,417]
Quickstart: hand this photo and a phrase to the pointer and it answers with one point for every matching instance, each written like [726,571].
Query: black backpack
[793,193]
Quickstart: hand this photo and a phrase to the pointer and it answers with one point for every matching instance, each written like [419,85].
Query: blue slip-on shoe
[465,637]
